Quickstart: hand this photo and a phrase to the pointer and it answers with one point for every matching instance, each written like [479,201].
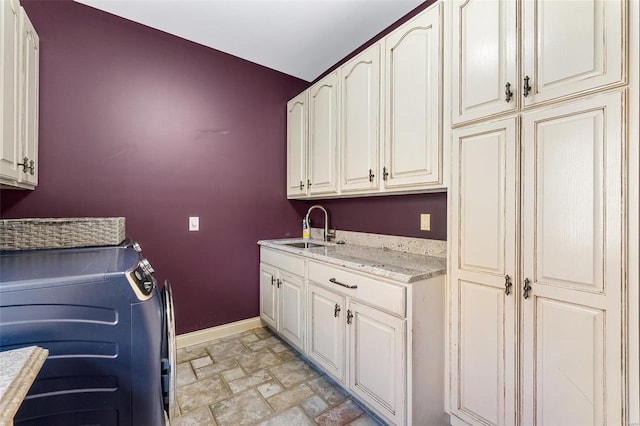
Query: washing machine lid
[63,267]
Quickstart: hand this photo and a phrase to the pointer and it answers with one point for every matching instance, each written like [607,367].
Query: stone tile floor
[254,378]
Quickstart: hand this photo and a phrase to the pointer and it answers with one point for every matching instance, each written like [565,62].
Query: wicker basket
[28,234]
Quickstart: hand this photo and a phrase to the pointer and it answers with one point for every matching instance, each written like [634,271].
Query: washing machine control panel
[141,278]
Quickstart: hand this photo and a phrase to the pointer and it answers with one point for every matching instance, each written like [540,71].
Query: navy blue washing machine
[109,330]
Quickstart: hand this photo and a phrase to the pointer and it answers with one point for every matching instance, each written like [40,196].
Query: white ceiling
[302,38]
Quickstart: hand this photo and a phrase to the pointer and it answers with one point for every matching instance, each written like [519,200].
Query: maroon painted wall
[137,123]
[390,215]
[121,111]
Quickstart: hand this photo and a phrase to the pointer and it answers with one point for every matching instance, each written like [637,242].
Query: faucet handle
[331,234]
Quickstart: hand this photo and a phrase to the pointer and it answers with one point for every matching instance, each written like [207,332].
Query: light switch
[425,222]
[194,223]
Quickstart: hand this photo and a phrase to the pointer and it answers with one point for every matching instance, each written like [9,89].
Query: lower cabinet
[381,340]
[374,341]
[377,358]
[282,299]
[361,347]
[269,295]
[326,330]
[291,308]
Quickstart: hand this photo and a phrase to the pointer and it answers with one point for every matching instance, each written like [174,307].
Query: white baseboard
[201,336]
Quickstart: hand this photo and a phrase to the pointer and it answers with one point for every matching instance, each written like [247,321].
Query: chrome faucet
[327,235]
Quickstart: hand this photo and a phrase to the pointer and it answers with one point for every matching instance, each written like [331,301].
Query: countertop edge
[378,271]
[17,390]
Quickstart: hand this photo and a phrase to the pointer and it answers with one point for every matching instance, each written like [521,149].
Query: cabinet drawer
[381,294]
[287,262]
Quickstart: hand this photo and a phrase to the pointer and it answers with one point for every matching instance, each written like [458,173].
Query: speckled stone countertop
[395,265]
[18,370]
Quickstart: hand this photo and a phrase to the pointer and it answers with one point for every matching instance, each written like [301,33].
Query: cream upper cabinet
[360,121]
[29,101]
[567,48]
[484,55]
[571,47]
[9,89]
[297,146]
[484,273]
[375,124]
[573,355]
[19,79]
[413,102]
[323,136]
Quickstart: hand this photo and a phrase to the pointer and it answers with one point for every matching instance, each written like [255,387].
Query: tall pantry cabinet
[539,295]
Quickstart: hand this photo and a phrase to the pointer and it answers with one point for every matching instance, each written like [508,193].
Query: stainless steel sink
[303,245]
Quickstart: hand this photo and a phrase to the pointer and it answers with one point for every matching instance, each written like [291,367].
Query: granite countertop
[395,265]
[18,370]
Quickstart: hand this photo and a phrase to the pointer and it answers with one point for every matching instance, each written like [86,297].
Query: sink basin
[303,245]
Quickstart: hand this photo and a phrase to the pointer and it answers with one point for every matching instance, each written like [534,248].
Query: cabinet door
[360,121]
[326,334]
[30,98]
[413,143]
[483,253]
[377,368]
[297,146]
[572,47]
[323,136]
[268,295]
[291,308]
[9,89]
[484,59]
[572,214]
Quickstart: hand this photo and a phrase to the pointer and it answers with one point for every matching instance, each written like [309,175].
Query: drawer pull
[334,281]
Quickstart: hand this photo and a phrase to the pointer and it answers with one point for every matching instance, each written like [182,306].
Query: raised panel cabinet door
[377,368]
[484,59]
[572,47]
[413,99]
[29,99]
[9,89]
[573,362]
[483,272]
[297,146]
[323,136]
[360,121]
[268,295]
[291,308]
[326,334]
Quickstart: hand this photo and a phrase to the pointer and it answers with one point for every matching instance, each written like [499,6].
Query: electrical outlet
[194,223]
[425,222]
